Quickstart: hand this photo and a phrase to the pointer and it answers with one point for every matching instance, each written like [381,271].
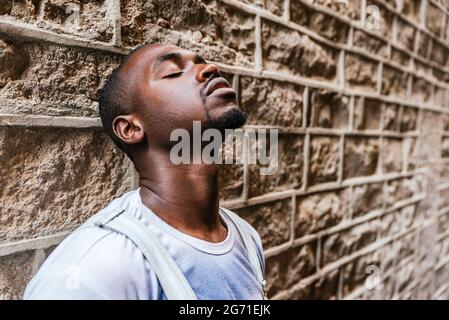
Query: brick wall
[359,90]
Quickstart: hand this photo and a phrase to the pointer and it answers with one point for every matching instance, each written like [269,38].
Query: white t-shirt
[94,263]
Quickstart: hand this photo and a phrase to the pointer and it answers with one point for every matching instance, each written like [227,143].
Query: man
[159,88]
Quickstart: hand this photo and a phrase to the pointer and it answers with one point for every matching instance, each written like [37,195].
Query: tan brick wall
[363,113]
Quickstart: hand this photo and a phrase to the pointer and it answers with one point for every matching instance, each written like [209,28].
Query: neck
[185,196]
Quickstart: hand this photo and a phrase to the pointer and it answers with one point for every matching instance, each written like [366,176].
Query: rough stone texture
[360,73]
[289,51]
[324,159]
[289,168]
[323,24]
[391,117]
[361,156]
[289,267]
[329,110]
[41,78]
[392,160]
[318,212]
[394,82]
[87,19]
[76,173]
[271,102]
[367,113]
[221,32]
[366,198]
[15,272]
[374,45]
[271,220]
[361,191]
[348,241]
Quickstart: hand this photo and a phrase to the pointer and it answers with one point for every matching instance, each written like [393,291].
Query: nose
[207,71]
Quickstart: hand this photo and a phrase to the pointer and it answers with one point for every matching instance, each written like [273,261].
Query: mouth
[218,84]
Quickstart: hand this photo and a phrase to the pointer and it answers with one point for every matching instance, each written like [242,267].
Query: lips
[215,84]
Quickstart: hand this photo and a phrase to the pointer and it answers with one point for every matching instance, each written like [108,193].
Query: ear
[128,128]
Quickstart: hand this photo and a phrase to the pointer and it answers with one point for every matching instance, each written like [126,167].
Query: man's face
[173,87]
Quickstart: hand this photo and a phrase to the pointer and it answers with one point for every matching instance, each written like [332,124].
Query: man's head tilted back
[159,88]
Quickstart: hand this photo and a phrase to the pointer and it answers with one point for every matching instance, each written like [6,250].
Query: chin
[230,118]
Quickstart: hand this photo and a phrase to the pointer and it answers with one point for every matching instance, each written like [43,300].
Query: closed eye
[173,75]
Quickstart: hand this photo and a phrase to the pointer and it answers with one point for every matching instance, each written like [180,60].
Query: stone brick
[360,73]
[350,9]
[400,189]
[445,148]
[324,159]
[12,62]
[385,22]
[274,6]
[390,224]
[289,51]
[394,82]
[439,54]
[440,75]
[406,34]
[424,44]
[434,19]
[400,57]
[361,156]
[407,246]
[25,10]
[271,220]
[318,212]
[87,19]
[77,172]
[328,109]
[441,277]
[392,159]
[388,257]
[411,8]
[286,269]
[367,42]
[271,102]
[443,223]
[444,200]
[440,99]
[366,198]
[289,172]
[220,31]
[422,90]
[404,278]
[52,80]
[15,272]
[348,241]
[360,272]
[391,117]
[430,139]
[408,120]
[323,24]
[367,113]
[325,288]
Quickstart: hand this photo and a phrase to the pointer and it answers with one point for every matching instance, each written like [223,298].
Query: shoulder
[93,263]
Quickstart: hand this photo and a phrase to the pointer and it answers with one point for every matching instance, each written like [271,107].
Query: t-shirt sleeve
[112,267]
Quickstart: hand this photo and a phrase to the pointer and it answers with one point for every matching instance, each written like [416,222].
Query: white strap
[250,247]
[171,278]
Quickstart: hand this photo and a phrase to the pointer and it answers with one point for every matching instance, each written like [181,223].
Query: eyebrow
[198,59]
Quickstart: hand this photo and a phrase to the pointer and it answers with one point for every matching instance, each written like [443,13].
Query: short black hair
[114,100]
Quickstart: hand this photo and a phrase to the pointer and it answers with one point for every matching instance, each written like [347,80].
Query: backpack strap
[171,278]
[250,246]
